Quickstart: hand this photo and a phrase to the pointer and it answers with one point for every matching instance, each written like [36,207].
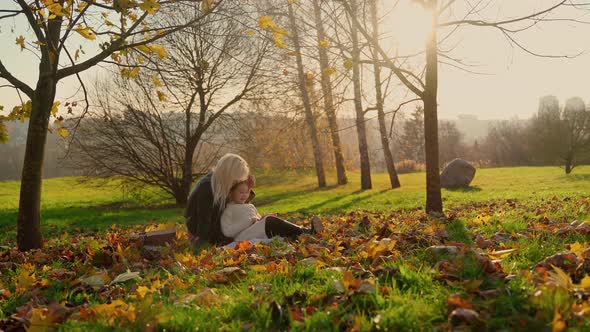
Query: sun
[408,25]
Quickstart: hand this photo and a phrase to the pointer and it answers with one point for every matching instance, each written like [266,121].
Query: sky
[510,86]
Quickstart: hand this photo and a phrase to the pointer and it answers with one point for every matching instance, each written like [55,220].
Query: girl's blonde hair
[230,169]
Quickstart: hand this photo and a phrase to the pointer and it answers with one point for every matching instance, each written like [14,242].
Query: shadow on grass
[469,189]
[59,220]
[353,203]
[576,177]
[272,198]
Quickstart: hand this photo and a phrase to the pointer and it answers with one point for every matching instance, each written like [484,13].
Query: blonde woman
[210,196]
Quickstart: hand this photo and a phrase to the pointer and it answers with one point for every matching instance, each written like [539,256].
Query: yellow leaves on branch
[207,6]
[63,132]
[149,6]
[85,32]
[348,64]
[161,95]
[323,43]
[156,81]
[266,23]
[159,50]
[55,8]
[330,71]
[130,73]
[20,40]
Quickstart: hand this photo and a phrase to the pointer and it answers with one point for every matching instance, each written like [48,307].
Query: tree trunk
[358,105]
[187,175]
[393,178]
[433,191]
[568,165]
[328,96]
[29,210]
[309,118]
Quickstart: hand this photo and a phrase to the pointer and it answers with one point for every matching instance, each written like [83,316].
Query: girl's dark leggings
[278,227]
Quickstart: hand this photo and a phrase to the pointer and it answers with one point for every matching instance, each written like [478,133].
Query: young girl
[241,221]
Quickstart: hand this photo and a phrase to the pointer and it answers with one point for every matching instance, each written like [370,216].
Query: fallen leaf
[125,277]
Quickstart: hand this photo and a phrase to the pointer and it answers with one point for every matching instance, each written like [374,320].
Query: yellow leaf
[258,268]
[348,64]
[208,5]
[20,40]
[278,40]
[54,108]
[161,95]
[161,227]
[265,22]
[85,32]
[480,219]
[144,49]
[63,132]
[25,278]
[558,324]
[149,6]
[129,73]
[159,50]
[141,291]
[55,8]
[585,282]
[330,71]
[349,282]
[250,32]
[39,320]
[81,6]
[156,81]
[578,248]
[324,43]
[114,310]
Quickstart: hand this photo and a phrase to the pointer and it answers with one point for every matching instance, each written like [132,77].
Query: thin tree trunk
[568,165]
[358,106]
[393,178]
[309,118]
[328,96]
[433,191]
[29,211]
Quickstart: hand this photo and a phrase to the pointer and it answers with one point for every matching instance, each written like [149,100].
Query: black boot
[278,227]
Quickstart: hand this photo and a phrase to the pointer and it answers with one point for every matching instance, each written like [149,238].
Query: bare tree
[310,119]
[327,93]
[211,67]
[50,28]
[358,103]
[560,136]
[388,156]
[427,88]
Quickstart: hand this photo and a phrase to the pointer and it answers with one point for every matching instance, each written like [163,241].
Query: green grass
[94,205]
[78,216]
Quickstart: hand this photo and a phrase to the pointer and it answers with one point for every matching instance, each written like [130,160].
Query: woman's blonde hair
[230,169]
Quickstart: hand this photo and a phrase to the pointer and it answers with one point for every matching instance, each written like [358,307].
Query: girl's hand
[251,181]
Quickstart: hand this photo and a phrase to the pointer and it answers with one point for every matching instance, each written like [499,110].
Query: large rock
[457,174]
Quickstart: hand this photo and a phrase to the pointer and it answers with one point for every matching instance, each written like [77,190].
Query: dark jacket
[203,218]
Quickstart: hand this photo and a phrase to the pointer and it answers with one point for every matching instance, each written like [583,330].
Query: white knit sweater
[242,222]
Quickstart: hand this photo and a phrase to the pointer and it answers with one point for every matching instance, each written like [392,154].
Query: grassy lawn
[374,268]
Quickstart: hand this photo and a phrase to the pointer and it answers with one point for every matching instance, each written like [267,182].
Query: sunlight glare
[409,24]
